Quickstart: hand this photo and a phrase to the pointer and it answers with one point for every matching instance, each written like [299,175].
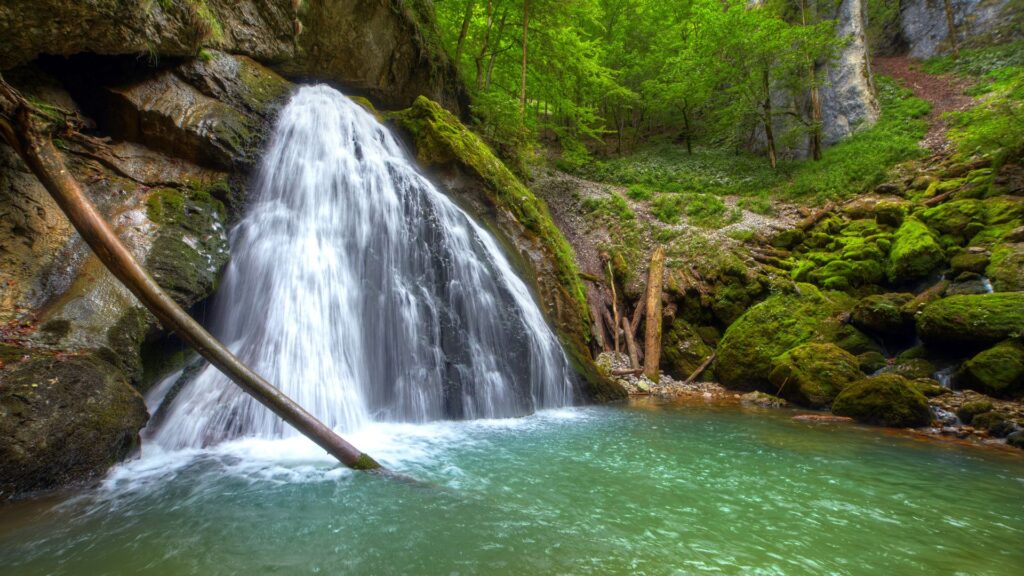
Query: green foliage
[612,206]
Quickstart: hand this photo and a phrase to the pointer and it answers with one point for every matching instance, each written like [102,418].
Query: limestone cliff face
[385,49]
[848,98]
[925,31]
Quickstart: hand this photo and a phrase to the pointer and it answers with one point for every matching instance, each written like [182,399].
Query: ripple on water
[584,491]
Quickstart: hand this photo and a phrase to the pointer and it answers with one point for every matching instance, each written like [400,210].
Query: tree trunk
[951,28]
[494,53]
[768,134]
[466,18]
[652,342]
[686,127]
[634,358]
[526,29]
[815,94]
[615,307]
[42,158]
[485,46]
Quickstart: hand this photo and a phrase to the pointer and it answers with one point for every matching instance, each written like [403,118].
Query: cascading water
[365,294]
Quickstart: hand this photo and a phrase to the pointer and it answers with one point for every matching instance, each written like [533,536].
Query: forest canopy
[607,74]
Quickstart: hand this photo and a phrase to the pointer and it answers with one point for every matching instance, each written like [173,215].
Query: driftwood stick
[615,306]
[631,372]
[36,148]
[638,313]
[634,359]
[652,340]
[700,369]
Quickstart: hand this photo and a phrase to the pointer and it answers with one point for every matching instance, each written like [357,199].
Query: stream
[641,489]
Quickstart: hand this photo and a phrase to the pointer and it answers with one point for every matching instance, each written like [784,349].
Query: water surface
[639,490]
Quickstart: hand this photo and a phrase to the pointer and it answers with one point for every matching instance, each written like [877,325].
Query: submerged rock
[64,421]
[887,400]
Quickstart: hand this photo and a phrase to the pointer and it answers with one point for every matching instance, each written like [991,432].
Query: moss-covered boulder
[915,253]
[972,320]
[913,368]
[996,423]
[1006,267]
[998,371]
[813,374]
[683,351]
[883,314]
[975,262]
[960,219]
[886,400]
[871,362]
[471,173]
[773,327]
[63,422]
[969,410]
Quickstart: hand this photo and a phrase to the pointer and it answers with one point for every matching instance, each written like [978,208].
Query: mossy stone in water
[773,327]
[998,371]
[915,253]
[64,421]
[871,362]
[913,368]
[976,320]
[886,400]
[813,374]
[997,423]
[969,262]
[883,314]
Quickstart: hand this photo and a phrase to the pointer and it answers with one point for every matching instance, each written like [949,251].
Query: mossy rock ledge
[885,400]
[477,180]
[64,422]
[973,321]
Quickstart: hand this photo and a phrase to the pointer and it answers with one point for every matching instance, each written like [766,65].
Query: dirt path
[944,92]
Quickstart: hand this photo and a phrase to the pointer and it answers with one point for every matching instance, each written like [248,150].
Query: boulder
[1006,269]
[998,371]
[969,410]
[926,33]
[915,253]
[886,400]
[773,327]
[883,314]
[972,321]
[63,422]
[683,351]
[813,374]
[912,368]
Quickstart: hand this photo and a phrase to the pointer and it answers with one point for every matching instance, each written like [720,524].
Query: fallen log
[18,129]
[615,306]
[630,372]
[634,358]
[652,340]
[700,369]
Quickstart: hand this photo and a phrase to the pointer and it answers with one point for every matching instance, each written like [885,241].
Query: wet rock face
[925,30]
[261,29]
[64,422]
[387,49]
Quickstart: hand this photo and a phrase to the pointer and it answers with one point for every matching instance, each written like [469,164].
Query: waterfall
[365,294]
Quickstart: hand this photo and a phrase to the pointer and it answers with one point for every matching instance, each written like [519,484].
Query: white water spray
[365,294]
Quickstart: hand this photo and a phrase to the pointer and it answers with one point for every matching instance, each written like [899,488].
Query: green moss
[883,314]
[886,400]
[954,218]
[969,262]
[972,320]
[998,371]
[365,462]
[913,368]
[871,362]
[813,374]
[683,351]
[124,339]
[969,410]
[915,253]
[929,387]
[1006,269]
[165,205]
[772,328]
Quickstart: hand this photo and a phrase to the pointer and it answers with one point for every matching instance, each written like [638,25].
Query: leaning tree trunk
[652,340]
[36,149]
